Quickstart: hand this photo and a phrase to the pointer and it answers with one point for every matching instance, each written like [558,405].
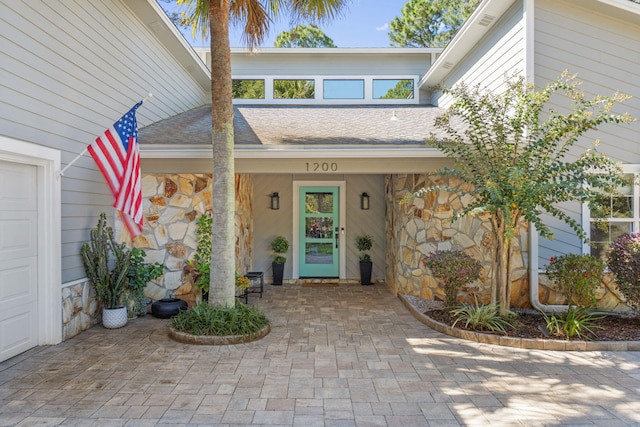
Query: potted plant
[140,273]
[279,245]
[364,243]
[107,264]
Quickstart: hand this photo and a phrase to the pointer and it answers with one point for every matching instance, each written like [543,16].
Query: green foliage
[280,245]
[515,164]
[242,282]
[364,243]
[624,261]
[456,269]
[247,89]
[106,264]
[200,267]
[304,36]
[576,277]
[576,322]
[140,273]
[402,90]
[482,317]
[205,319]
[429,23]
[293,89]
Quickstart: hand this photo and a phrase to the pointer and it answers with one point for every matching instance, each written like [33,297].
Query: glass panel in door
[319,219]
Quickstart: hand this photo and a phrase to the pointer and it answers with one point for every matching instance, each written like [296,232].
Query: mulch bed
[528,325]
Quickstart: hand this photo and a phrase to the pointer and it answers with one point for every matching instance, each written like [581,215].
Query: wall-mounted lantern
[364,201]
[275,201]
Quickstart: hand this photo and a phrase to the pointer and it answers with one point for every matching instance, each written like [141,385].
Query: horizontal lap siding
[500,52]
[70,70]
[605,53]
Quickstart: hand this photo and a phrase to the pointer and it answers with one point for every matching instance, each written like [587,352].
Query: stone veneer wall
[416,229]
[79,308]
[172,204]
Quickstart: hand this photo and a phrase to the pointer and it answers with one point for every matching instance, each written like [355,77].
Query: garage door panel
[17,184]
[18,330]
[19,283]
[18,236]
[18,259]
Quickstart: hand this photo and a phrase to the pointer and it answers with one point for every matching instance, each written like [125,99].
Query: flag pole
[61,172]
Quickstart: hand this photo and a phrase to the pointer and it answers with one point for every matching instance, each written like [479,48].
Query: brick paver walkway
[341,356]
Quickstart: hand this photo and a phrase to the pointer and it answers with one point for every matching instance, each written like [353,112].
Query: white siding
[71,69]
[499,52]
[329,64]
[605,53]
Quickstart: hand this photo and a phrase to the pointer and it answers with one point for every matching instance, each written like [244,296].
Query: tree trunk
[222,286]
[502,276]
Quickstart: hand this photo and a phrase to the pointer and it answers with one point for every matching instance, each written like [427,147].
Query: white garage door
[18,259]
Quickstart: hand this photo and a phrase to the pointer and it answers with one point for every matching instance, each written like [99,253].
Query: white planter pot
[114,318]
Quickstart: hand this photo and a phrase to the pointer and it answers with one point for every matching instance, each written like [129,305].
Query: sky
[364,24]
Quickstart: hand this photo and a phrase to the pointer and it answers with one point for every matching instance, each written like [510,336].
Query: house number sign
[322,166]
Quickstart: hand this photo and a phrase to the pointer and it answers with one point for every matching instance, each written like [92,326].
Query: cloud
[383,27]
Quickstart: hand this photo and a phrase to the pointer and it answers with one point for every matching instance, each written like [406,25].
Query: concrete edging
[526,343]
[216,340]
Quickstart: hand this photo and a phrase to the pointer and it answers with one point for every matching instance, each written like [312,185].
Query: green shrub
[482,317]
[456,269]
[364,243]
[200,267]
[576,322]
[577,277]
[280,245]
[204,319]
[140,273]
[624,261]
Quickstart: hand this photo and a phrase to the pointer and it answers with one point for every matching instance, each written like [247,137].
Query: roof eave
[186,151]
[157,21]
[475,27]
[336,51]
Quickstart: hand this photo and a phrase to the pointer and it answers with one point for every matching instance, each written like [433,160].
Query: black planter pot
[365,273]
[166,307]
[278,273]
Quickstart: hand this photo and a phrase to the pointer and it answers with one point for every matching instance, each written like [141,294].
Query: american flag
[117,155]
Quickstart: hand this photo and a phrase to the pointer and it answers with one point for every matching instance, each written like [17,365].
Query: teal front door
[319,231]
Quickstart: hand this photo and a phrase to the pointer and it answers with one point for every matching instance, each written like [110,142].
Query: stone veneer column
[424,225]
[172,204]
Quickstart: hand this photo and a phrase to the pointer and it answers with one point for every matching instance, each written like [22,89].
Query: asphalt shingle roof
[308,125]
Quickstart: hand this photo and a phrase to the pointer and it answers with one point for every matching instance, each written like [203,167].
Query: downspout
[529,53]
[534,295]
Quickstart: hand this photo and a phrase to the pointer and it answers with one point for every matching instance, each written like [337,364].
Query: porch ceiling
[290,126]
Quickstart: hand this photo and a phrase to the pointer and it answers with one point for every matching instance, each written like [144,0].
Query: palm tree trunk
[222,286]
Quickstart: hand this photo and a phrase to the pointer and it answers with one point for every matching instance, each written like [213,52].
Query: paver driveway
[343,356]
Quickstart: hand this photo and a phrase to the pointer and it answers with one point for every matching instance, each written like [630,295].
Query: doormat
[320,285]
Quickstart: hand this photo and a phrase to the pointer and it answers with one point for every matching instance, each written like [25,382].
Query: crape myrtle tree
[429,23]
[511,153]
[212,17]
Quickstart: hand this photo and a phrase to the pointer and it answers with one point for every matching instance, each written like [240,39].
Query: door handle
[337,234]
